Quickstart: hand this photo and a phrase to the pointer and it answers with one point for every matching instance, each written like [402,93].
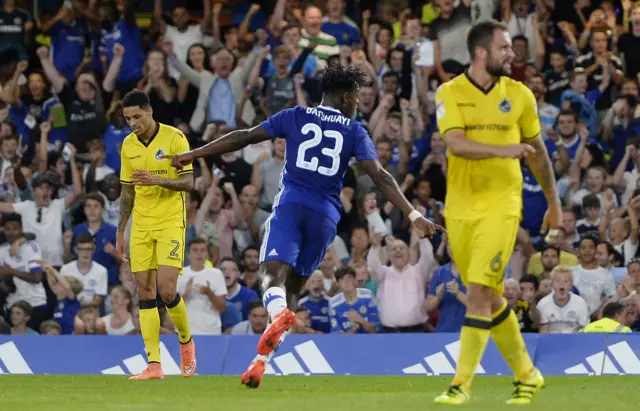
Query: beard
[498,71]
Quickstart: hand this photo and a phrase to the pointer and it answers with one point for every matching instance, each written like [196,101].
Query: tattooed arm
[184,182]
[127,196]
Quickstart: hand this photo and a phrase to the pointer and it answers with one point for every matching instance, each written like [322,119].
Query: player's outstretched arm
[234,141]
[389,187]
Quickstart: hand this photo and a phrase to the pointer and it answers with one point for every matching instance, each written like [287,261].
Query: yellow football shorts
[151,248]
[482,248]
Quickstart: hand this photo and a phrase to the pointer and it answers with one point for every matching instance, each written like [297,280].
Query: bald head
[312,20]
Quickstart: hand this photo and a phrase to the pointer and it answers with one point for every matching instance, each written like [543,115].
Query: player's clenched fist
[516,151]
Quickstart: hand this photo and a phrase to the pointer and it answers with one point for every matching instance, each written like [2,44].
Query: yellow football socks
[506,334]
[178,312]
[473,340]
[150,327]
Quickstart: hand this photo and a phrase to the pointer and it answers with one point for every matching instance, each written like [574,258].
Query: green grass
[97,393]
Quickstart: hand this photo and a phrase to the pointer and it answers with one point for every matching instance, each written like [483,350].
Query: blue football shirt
[320,143]
[365,305]
[242,300]
[318,312]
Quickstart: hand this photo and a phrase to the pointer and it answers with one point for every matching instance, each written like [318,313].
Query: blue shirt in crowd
[451,311]
[105,234]
[242,299]
[365,306]
[318,312]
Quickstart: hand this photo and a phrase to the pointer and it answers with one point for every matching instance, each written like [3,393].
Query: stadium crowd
[64,71]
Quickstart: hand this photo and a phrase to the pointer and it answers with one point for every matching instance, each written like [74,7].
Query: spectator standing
[43,216]
[94,276]
[15,27]
[219,92]
[96,170]
[198,227]
[601,66]
[204,291]
[402,286]
[629,42]
[20,260]
[448,295]
[326,44]
[341,27]
[103,235]
[241,296]
[448,32]
[159,86]
[562,311]
[266,174]
[113,137]
[595,283]
[611,260]
[84,105]
[225,220]
[183,34]
[249,229]
[548,113]
[69,31]
[316,303]
[122,30]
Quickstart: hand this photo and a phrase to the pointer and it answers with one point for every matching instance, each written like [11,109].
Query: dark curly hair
[337,80]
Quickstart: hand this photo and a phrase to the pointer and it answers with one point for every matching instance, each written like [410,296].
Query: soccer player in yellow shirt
[489,122]
[155,193]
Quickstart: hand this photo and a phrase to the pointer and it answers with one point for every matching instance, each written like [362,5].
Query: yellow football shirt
[503,115]
[156,207]
[606,325]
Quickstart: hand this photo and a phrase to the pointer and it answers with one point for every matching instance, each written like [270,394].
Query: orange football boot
[280,324]
[188,359]
[253,376]
[152,372]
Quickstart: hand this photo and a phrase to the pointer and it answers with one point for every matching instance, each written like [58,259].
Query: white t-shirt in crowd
[182,42]
[595,286]
[242,328]
[565,319]
[48,231]
[101,173]
[203,318]
[124,330]
[24,260]
[95,281]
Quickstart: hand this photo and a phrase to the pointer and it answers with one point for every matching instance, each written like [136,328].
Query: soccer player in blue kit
[320,142]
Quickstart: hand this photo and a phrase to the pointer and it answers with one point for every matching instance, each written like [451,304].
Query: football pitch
[98,393]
